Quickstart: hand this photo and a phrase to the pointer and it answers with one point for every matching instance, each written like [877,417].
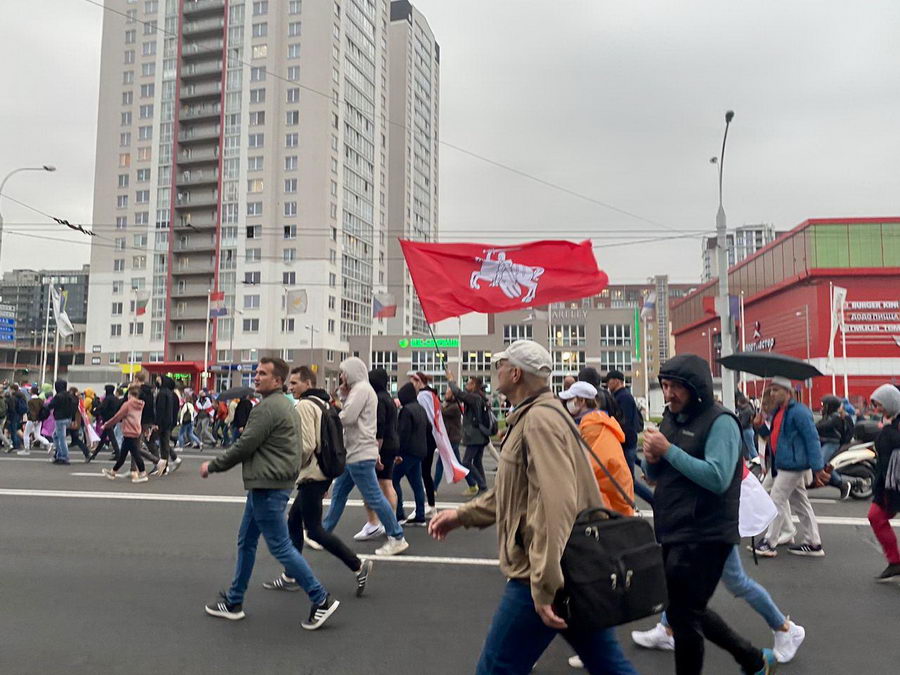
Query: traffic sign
[8,314]
[8,308]
[7,329]
[7,337]
[6,321]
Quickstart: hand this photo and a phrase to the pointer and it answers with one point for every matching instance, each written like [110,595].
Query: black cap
[614,375]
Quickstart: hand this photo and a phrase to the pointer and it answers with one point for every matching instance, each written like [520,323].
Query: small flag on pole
[217,304]
[142,299]
[649,305]
[296,302]
[384,306]
[63,325]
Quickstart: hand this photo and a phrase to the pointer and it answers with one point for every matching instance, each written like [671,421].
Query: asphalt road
[109,577]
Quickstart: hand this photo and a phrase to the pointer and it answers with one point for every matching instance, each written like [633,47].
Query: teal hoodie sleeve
[715,471]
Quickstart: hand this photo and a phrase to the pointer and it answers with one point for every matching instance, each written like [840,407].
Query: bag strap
[571,424]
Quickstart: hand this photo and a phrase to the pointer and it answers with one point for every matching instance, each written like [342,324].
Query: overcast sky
[622,102]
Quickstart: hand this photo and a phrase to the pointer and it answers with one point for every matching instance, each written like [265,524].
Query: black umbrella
[236,392]
[770,364]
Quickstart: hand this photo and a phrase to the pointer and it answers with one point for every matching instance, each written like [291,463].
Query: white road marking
[428,559]
[94,474]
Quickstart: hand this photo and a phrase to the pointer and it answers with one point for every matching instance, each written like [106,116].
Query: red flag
[455,279]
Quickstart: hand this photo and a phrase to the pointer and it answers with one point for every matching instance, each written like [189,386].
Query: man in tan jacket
[541,486]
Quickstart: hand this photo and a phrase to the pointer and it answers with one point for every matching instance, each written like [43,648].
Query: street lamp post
[45,167]
[312,336]
[722,301]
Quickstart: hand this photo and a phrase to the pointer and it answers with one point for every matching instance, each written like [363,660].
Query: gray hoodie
[359,414]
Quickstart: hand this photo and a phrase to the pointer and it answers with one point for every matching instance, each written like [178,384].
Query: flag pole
[743,375]
[459,347]
[56,349]
[831,346]
[205,375]
[46,330]
[132,329]
[843,329]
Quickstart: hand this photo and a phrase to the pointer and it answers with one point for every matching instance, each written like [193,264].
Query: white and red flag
[455,279]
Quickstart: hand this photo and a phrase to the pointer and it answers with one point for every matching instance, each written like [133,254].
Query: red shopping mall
[786,290]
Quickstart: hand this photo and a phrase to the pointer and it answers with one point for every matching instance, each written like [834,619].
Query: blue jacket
[798,443]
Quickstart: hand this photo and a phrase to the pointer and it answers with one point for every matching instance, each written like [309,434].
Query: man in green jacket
[269,451]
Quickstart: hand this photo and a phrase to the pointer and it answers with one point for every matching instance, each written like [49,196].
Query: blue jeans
[362,475]
[749,437]
[640,488]
[439,471]
[59,437]
[186,433]
[264,514]
[411,467]
[828,451]
[517,638]
[742,586]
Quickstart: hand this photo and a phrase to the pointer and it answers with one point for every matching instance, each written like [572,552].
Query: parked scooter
[855,461]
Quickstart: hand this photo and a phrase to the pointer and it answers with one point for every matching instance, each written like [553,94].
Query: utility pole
[722,301]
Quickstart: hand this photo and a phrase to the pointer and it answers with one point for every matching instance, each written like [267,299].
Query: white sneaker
[140,478]
[786,538]
[575,662]
[23,453]
[430,511]
[393,546]
[314,545]
[369,532]
[655,638]
[788,642]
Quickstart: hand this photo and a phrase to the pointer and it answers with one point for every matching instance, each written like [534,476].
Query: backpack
[487,421]
[44,413]
[331,453]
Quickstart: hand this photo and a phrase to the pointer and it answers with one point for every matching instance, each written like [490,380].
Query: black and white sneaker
[846,487]
[282,583]
[225,609]
[362,577]
[809,550]
[318,614]
[890,573]
[412,521]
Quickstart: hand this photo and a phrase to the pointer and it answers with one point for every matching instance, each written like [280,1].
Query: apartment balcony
[194,290]
[199,133]
[191,156]
[194,312]
[200,49]
[198,8]
[182,332]
[196,200]
[200,112]
[194,244]
[194,92]
[195,220]
[197,28]
[201,69]
[193,267]
[194,178]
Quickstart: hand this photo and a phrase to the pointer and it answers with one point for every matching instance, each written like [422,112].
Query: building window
[251,325]
[290,185]
[615,335]
[123,180]
[290,163]
[293,51]
[255,163]
[293,73]
[293,95]
[290,231]
[332,279]
[427,361]
[291,140]
[118,287]
[257,118]
[261,7]
[251,278]
[568,335]
[135,328]
[143,175]
[116,309]
[256,140]
[260,51]
[253,255]
[142,196]
[290,209]
[294,29]
[513,332]
[287,325]
[290,255]
[254,231]
[251,302]
[568,361]
[254,209]
[255,185]
[615,360]
[122,202]
[288,278]
[294,6]
[257,96]
[477,360]
[331,326]
[292,118]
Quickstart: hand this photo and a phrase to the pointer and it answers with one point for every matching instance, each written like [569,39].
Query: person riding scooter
[833,434]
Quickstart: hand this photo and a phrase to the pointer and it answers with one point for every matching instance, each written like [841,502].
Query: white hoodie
[359,414]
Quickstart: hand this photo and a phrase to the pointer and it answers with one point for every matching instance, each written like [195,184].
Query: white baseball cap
[783,382]
[579,390]
[527,355]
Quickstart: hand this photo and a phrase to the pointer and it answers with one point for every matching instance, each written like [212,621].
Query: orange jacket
[605,436]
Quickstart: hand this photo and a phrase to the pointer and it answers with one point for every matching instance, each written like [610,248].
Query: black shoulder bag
[612,564]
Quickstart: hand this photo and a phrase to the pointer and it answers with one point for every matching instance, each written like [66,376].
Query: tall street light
[45,167]
[722,301]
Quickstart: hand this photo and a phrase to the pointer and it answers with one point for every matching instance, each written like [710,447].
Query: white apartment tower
[414,69]
[242,147]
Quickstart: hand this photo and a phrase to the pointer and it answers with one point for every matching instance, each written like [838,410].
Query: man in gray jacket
[473,437]
[269,452]
[359,419]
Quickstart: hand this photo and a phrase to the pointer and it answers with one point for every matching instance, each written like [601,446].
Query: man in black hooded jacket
[695,459]
[166,412]
[105,411]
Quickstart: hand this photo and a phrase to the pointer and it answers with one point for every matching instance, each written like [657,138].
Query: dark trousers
[108,436]
[692,574]
[640,489]
[411,468]
[306,511]
[166,451]
[473,460]
[77,440]
[129,445]
[427,477]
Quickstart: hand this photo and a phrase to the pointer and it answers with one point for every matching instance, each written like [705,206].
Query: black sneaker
[415,522]
[225,609]
[764,549]
[891,573]
[362,577]
[318,614]
[809,550]
[282,583]
[846,487]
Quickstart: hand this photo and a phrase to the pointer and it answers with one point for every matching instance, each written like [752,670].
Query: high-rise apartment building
[743,242]
[414,69]
[242,147]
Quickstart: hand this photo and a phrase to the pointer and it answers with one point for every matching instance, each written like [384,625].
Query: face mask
[571,406]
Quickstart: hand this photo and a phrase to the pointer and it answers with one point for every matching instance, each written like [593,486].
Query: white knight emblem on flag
[509,276]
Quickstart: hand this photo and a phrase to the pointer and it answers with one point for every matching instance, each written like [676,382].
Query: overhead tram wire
[452,146]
